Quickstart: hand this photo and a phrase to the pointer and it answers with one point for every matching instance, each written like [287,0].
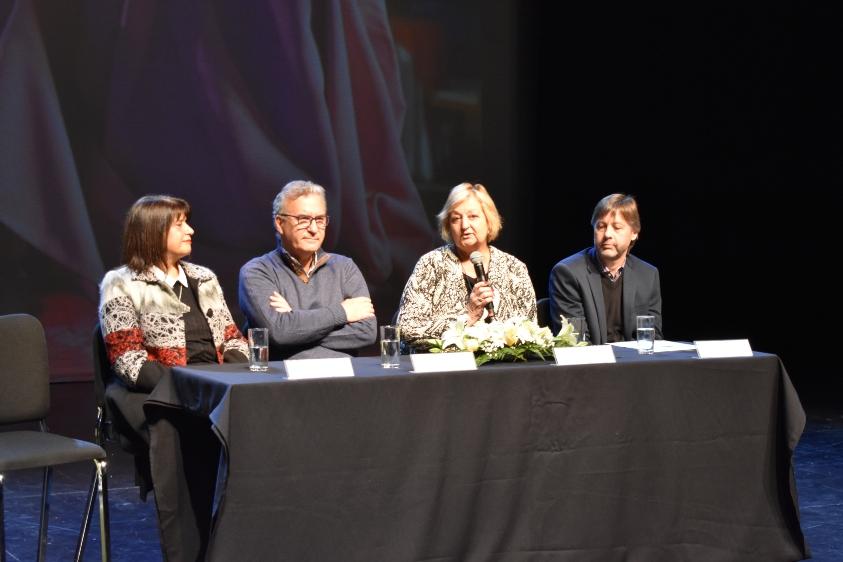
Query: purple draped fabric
[41,198]
[218,102]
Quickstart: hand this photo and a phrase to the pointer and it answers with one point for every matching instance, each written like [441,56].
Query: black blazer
[575,289]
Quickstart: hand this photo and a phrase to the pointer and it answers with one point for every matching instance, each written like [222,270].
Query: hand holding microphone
[482,290]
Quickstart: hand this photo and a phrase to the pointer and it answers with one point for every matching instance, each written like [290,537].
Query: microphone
[477,259]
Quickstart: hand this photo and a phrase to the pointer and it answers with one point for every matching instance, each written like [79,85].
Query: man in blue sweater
[315,304]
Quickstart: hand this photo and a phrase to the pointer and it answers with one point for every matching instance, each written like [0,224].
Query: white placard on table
[586,355]
[298,369]
[707,349]
[438,362]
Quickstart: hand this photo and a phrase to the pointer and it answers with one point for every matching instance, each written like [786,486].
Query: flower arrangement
[516,339]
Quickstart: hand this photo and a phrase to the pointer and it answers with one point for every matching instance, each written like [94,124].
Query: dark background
[724,122]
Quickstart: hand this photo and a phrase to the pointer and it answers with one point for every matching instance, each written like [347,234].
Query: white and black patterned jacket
[141,320]
[436,295]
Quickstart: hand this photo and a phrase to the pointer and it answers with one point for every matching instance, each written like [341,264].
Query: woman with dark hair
[157,310]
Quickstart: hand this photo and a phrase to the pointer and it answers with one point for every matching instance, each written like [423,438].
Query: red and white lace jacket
[141,319]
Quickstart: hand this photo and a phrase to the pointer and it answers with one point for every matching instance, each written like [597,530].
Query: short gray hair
[294,190]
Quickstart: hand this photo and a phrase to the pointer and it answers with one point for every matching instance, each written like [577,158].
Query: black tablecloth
[657,458]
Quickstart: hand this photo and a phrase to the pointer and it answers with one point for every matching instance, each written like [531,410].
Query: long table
[665,457]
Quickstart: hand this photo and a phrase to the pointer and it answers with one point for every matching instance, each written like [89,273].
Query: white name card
[707,349]
[587,355]
[298,369]
[439,362]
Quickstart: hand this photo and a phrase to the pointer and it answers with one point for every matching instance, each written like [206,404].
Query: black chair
[25,398]
[111,424]
[102,374]
[543,312]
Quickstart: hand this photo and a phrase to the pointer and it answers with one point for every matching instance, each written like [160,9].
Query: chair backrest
[102,366]
[543,312]
[24,370]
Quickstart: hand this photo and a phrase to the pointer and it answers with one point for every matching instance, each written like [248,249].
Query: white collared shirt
[171,281]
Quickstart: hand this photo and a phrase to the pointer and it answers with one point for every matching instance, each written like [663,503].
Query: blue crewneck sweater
[316,327]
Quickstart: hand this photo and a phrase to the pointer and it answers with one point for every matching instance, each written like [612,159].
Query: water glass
[646,334]
[258,349]
[580,328]
[390,346]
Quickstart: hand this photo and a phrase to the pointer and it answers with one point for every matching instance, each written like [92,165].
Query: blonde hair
[460,193]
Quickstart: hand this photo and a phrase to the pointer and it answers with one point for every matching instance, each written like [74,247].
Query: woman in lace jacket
[444,288]
[157,311]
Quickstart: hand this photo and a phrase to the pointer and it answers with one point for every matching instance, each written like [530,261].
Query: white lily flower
[526,337]
[454,336]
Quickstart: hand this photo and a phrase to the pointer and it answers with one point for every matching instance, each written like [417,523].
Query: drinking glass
[580,328]
[390,346]
[258,349]
[646,334]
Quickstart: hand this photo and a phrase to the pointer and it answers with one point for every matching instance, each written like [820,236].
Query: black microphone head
[476,258]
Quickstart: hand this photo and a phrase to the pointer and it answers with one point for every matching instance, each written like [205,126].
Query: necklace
[180,289]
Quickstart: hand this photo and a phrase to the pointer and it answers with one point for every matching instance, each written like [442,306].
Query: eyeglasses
[303,221]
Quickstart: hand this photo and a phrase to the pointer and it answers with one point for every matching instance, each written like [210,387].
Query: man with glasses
[315,304]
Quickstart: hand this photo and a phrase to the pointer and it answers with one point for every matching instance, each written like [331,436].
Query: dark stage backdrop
[724,122]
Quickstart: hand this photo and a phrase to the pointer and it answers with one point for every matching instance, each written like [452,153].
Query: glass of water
[390,346]
[646,333]
[580,328]
[258,349]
